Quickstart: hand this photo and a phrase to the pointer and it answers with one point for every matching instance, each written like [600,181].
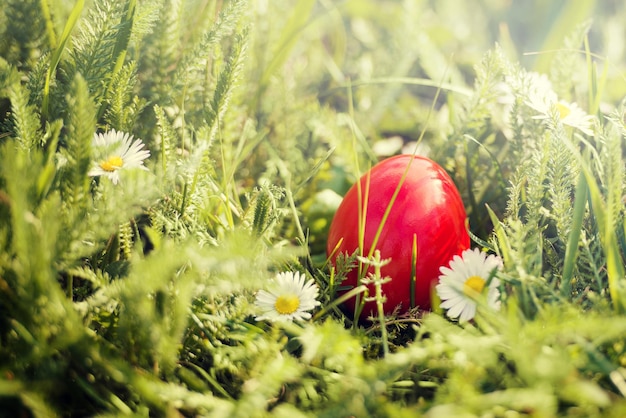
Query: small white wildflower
[289,297]
[463,282]
[115,151]
[545,101]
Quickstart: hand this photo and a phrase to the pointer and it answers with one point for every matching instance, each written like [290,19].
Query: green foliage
[24,117]
[137,298]
[24,32]
[124,106]
[80,128]
[97,45]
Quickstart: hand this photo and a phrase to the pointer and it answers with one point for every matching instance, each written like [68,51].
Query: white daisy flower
[464,281]
[289,297]
[569,114]
[545,101]
[115,151]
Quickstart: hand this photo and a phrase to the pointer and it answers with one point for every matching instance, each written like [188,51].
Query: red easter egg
[428,207]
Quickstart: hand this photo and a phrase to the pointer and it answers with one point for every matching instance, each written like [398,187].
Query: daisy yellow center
[563,110]
[112,163]
[287,304]
[473,285]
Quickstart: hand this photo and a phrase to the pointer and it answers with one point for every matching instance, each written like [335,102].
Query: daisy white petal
[115,151]
[289,298]
[464,280]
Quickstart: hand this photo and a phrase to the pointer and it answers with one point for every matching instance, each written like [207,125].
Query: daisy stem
[414,255]
[377,279]
[379,302]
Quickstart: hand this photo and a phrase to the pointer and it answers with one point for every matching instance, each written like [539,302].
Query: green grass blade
[123,37]
[296,22]
[596,85]
[404,175]
[354,292]
[411,81]
[571,251]
[56,56]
